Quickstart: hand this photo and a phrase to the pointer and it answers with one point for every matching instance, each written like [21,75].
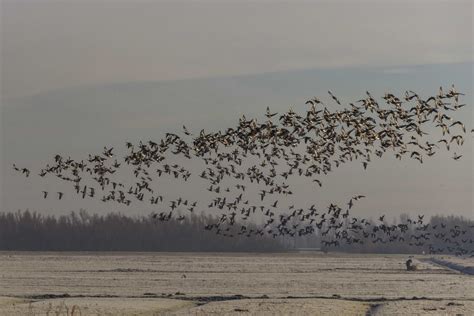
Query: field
[216,283]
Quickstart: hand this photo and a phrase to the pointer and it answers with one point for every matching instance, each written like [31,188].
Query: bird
[186,132]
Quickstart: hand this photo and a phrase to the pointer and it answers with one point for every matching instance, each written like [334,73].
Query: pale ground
[94,306]
[207,284]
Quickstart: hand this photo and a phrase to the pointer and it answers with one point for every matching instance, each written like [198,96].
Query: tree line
[442,234]
[81,231]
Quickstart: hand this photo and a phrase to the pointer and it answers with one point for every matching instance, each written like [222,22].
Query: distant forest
[440,234]
[26,230]
[81,231]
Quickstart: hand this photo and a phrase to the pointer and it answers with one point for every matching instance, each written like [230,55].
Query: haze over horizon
[137,70]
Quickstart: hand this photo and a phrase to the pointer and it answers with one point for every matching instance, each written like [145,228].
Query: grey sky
[78,75]
[53,44]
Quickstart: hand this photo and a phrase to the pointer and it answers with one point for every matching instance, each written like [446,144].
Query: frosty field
[222,283]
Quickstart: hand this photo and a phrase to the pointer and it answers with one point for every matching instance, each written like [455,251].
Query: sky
[78,75]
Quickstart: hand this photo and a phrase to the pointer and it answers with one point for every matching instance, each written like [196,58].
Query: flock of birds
[247,168]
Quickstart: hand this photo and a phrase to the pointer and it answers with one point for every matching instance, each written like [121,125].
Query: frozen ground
[203,284]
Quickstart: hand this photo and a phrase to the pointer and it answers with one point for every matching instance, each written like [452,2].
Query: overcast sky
[49,45]
[77,75]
